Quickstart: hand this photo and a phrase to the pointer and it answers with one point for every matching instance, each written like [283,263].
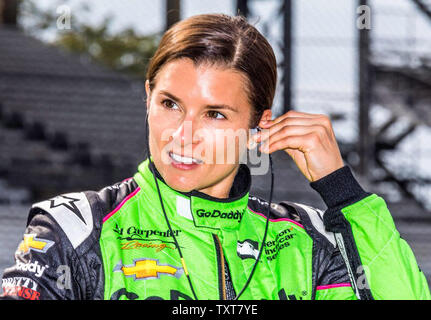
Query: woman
[185,227]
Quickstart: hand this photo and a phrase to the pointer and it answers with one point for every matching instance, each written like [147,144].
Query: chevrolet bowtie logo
[148,269]
[30,242]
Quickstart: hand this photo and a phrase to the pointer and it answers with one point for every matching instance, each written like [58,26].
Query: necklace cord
[264,235]
[164,212]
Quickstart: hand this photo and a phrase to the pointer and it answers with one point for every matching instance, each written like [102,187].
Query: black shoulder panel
[277,210]
[112,196]
[312,220]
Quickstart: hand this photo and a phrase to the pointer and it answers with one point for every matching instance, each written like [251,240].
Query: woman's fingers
[289,114]
[317,132]
[302,143]
[275,129]
[308,138]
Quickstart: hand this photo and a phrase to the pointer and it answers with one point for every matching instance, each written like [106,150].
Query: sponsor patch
[282,240]
[135,233]
[231,215]
[247,249]
[137,245]
[19,282]
[73,213]
[143,269]
[21,291]
[151,239]
[33,267]
[31,243]
[69,203]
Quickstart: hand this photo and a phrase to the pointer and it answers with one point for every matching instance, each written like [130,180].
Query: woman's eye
[216,115]
[170,104]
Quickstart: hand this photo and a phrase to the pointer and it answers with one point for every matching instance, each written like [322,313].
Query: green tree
[126,51]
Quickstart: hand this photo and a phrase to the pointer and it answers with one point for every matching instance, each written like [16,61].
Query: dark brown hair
[224,40]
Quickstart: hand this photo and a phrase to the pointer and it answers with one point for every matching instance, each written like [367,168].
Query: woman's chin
[181,185]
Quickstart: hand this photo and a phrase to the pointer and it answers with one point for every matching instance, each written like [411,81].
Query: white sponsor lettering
[32,267]
[19,282]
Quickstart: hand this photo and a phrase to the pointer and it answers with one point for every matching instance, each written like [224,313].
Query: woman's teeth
[185,160]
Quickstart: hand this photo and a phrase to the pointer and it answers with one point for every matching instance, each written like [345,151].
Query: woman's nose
[185,133]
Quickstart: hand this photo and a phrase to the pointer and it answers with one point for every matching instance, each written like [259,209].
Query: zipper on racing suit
[221,268]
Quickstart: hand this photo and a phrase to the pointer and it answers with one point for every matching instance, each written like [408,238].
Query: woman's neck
[221,189]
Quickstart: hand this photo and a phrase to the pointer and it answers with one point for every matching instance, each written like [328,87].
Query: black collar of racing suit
[240,187]
[205,210]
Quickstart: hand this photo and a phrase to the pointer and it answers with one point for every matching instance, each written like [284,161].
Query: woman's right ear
[148,93]
[267,115]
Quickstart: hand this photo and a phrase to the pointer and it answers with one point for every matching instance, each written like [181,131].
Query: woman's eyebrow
[170,95]
[222,106]
[212,107]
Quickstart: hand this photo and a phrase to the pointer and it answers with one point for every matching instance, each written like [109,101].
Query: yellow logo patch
[142,269]
[31,242]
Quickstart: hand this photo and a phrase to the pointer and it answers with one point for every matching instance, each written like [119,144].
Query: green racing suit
[115,244]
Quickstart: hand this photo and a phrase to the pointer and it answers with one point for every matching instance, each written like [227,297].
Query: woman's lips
[184,163]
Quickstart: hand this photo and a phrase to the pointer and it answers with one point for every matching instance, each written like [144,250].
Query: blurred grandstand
[400,82]
[63,122]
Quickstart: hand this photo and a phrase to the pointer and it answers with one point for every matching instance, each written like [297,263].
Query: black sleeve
[46,265]
[329,268]
[338,190]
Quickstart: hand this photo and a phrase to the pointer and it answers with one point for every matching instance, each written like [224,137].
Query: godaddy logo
[234,215]
[33,267]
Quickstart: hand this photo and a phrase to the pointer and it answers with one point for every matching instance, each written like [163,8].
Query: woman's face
[198,120]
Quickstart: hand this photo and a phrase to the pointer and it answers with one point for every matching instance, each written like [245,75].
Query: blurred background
[72,87]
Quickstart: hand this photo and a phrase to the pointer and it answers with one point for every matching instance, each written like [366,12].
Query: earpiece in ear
[252,143]
[255,130]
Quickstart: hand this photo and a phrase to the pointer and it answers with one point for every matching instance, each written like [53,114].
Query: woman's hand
[308,138]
